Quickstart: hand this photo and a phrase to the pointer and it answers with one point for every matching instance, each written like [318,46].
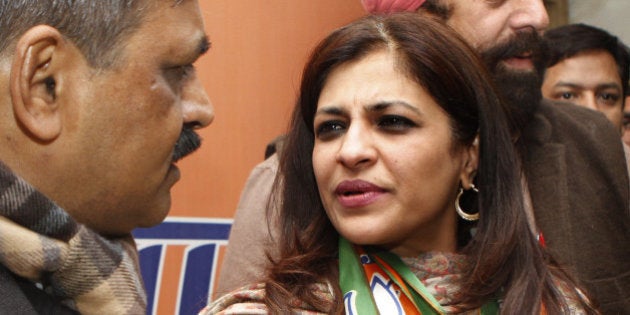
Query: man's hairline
[118,49]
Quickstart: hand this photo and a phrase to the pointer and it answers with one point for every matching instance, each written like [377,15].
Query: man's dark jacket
[19,296]
[577,177]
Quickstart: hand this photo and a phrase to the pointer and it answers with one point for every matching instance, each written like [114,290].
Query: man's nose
[530,14]
[590,101]
[197,108]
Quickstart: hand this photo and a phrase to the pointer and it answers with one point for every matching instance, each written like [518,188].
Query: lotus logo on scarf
[350,303]
[386,297]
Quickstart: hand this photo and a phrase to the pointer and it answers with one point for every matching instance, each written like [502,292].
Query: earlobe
[471,163]
[34,78]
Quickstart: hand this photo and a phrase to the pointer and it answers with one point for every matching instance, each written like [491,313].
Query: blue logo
[178,261]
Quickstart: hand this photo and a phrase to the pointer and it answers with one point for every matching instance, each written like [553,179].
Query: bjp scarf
[391,6]
[40,242]
[379,282]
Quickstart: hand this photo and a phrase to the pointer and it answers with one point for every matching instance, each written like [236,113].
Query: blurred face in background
[486,25]
[589,79]
[506,34]
[626,124]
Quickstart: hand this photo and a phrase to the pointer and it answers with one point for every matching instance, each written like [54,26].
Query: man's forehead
[174,28]
[487,5]
[594,58]
[477,4]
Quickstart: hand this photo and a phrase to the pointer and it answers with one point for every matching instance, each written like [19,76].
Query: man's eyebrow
[579,86]
[568,84]
[609,86]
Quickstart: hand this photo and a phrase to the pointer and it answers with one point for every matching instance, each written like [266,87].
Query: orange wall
[251,74]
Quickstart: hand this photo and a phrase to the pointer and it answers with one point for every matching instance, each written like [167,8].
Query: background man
[587,66]
[573,161]
[574,165]
[626,123]
[100,99]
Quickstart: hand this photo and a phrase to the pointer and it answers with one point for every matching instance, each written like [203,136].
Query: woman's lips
[358,193]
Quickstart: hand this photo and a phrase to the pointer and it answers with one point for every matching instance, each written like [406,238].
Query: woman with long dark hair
[400,187]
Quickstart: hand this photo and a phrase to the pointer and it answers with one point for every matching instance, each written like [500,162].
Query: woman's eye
[394,122]
[329,129]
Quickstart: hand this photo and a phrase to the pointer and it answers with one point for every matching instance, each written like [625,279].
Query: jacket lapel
[547,178]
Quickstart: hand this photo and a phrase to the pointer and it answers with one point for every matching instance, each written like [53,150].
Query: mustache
[518,45]
[188,142]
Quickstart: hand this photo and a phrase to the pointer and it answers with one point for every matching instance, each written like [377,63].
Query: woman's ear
[35,75]
[470,164]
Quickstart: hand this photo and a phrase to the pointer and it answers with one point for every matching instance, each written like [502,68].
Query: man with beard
[574,168]
[100,100]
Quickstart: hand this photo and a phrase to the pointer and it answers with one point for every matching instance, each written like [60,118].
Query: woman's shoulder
[245,300]
[250,300]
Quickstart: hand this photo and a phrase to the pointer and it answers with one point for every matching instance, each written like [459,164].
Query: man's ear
[35,78]
[471,163]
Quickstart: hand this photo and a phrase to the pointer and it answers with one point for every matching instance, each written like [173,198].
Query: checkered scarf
[39,241]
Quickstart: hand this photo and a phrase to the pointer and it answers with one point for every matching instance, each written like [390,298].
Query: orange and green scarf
[379,282]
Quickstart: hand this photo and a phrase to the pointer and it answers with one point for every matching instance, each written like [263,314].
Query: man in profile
[100,100]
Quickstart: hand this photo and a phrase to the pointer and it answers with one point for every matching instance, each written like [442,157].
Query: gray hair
[97,27]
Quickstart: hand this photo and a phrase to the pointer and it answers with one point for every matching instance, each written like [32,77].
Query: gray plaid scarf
[39,241]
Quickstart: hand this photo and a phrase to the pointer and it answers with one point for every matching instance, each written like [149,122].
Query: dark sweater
[20,296]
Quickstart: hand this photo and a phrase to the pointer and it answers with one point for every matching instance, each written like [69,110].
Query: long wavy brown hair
[505,258]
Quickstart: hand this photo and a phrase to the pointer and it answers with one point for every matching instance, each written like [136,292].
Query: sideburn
[437,8]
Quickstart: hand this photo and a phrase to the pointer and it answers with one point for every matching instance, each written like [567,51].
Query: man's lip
[523,62]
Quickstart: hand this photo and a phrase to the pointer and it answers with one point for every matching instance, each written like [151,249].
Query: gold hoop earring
[458,208]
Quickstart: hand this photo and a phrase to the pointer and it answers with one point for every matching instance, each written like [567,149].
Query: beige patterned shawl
[39,241]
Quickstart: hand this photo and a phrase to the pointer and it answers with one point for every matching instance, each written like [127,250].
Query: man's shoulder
[20,296]
[13,300]
[579,140]
[568,113]
[561,121]
[262,176]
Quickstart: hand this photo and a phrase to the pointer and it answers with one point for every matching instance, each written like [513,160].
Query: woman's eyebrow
[381,106]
